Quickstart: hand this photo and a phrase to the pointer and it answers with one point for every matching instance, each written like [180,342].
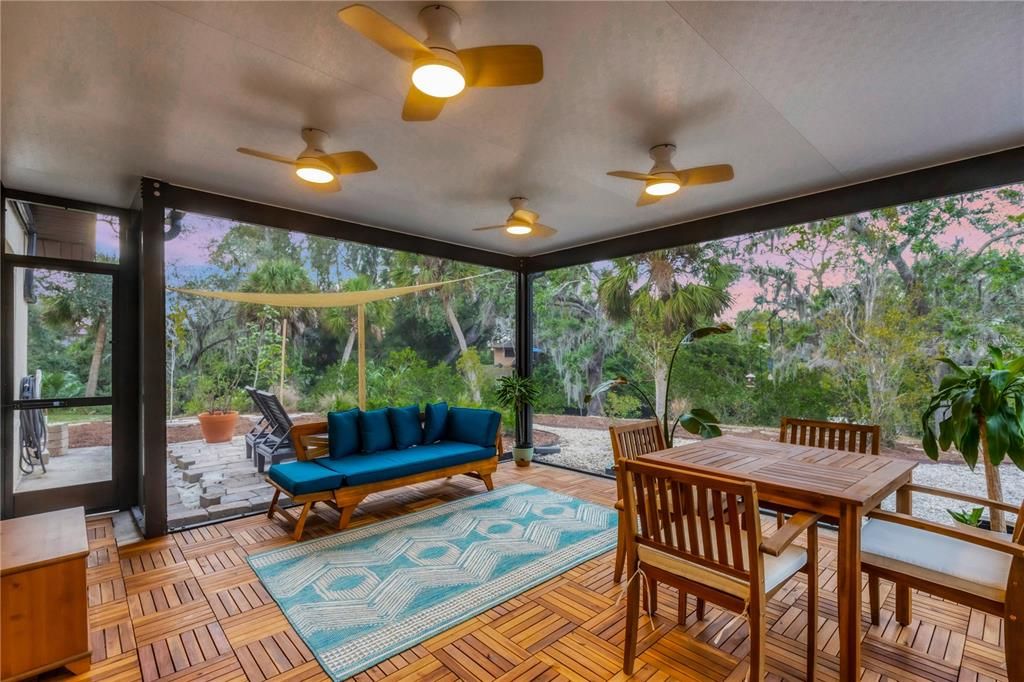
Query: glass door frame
[95,496]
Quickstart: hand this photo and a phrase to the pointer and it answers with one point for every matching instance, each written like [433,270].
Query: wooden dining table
[840,485]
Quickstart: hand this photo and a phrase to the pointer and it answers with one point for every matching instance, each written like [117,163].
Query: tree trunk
[284,345]
[97,355]
[347,353]
[660,387]
[453,322]
[595,372]
[170,380]
[993,482]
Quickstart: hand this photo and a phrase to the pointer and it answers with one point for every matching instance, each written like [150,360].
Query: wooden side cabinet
[44,609]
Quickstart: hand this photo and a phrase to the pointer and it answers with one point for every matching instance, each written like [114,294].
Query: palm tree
[410,268]
[83,302]
[663,293]
[341,322]
[280,276]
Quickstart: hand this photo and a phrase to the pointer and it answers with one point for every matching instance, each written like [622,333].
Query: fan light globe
[662,188]
[519,229]
[315,175]
[438,80]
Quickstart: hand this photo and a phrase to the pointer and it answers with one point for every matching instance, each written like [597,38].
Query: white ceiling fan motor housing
[442,25]
[316,142]
[662,155]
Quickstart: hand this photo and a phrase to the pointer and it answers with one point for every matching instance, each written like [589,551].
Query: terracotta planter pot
[218,428]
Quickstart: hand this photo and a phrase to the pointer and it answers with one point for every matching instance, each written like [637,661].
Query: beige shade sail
[329,299]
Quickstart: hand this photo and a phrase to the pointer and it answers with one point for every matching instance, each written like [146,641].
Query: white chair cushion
[935,558]
[777,569]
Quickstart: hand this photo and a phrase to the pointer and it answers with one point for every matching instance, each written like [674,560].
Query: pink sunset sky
[745,290]
[190,252]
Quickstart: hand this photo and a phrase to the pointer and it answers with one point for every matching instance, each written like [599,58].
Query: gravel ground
[591,450]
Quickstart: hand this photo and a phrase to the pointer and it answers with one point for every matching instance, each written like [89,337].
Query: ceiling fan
[315,167]
[441,71]
[521,223]
[664,180]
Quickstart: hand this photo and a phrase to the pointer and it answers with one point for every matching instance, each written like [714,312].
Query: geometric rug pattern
[359,597]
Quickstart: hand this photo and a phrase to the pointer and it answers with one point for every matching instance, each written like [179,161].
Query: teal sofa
[355,453]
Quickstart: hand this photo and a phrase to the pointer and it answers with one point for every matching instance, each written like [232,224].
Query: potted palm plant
[518,392]
[697,421]
[982,410]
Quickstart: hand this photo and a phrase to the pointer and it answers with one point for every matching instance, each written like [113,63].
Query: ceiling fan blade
[350,162]
[630,175]
[648,199]
[266,155]
[421,107]
[384,32]
[499,65]
[489,227]
[541,231]
[705,175]
[526,215]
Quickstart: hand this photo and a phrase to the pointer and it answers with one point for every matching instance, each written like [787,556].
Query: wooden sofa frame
[310,442]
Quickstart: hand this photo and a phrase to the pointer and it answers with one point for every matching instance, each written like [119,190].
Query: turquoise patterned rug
[359,597]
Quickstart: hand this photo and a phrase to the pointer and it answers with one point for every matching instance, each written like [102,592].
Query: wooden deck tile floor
[187,606]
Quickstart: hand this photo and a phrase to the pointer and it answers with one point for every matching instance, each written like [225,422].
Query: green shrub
[622,405]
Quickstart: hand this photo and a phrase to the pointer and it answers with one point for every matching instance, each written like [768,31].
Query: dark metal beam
[66,204]
[981,172]
[231,208]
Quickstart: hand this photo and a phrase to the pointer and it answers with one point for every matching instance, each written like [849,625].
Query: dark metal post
[152,360]
[6,377]
[128,391]
[524,351]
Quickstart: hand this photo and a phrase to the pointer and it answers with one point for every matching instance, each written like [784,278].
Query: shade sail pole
[284,344]
[361,323]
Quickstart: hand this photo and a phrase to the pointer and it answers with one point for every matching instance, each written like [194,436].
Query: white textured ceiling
[798,97]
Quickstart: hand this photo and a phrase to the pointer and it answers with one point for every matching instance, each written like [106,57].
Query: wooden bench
[310,441]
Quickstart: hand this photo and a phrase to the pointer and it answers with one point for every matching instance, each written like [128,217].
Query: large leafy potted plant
[982,412]
[217,390]
[697,421]
[518,392]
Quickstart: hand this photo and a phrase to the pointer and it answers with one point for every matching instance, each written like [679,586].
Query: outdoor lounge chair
[726,563]
[276,446]
[970,567]
[261,428]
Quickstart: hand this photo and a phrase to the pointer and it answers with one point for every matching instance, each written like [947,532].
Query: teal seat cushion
[343,432]
[299,478]
[435,415]
[375,430]
[472,425]
[405,426]
[391,464]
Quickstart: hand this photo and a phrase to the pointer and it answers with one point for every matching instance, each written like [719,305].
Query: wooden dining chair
[630,441]
[975,568]
[672,538]
[824,434]
[832,435]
